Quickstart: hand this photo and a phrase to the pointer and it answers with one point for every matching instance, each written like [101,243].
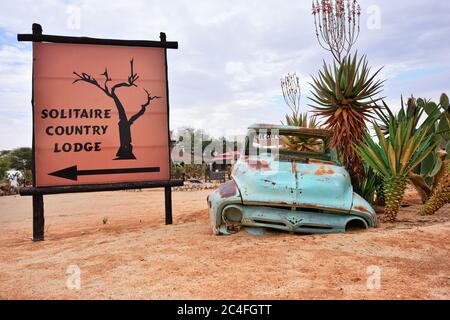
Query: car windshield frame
[304,156]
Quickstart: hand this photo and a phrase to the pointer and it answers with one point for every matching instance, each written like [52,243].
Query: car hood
[265,180]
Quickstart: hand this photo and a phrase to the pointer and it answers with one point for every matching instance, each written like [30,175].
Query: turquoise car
[288,179]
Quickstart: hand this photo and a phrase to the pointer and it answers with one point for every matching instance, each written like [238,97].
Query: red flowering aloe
[337,25]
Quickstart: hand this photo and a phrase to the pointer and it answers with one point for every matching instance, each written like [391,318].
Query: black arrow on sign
[72,173]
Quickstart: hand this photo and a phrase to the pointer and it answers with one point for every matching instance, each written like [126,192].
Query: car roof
[323,133]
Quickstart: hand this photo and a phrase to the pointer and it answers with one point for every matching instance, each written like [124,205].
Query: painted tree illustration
[125,151]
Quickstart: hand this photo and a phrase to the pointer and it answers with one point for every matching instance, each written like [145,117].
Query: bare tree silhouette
[125,151]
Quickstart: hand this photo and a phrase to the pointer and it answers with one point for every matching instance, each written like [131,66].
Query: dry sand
[134,256]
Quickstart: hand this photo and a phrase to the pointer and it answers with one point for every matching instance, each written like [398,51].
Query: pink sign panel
[100,114]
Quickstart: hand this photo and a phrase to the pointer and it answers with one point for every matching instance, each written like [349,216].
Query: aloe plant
[367,187]
[396,156]
[427,174]
[344,96]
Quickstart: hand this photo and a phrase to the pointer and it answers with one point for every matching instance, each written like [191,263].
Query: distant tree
[5,163]
[20,159]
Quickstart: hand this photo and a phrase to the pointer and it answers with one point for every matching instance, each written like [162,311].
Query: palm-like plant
[344,95]
[396,156]
[412,110]
[427,175]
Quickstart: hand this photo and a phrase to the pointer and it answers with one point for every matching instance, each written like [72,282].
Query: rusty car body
[275,186]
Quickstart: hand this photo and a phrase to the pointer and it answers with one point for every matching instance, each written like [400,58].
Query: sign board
[100,114]
[100,117]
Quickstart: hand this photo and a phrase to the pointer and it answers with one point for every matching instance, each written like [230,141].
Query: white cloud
[15,132]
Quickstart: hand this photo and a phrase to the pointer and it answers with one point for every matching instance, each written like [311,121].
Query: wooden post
[168,200]
[38,218]
[167,189]
[38,200]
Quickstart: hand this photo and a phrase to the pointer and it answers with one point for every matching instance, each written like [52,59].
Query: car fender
[362,208]
[227,193]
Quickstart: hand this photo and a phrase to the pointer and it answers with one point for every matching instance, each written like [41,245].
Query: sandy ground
[134,256]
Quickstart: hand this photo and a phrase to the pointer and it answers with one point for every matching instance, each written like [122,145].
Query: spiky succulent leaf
[300,143]
[401,152]
[368,186]
[344,96]
[396,156]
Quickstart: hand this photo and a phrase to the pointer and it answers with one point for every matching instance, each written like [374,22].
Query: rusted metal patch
[228,189]
[323,170]
[293,167]
[362,209]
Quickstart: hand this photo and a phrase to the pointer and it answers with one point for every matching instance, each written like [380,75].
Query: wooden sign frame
[38,192]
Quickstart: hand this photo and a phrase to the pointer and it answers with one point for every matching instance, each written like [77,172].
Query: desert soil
[124,251]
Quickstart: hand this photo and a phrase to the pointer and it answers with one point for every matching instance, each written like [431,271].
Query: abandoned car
[288,179]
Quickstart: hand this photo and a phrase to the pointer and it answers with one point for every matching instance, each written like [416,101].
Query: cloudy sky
[232,54]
